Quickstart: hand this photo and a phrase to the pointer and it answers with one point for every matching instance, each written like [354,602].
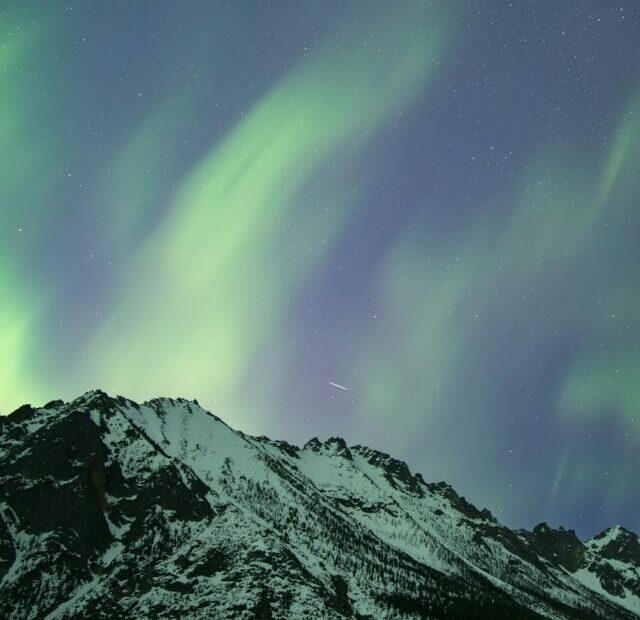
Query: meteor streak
[340,387]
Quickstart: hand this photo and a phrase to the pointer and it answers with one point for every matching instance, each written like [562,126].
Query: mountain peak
[617,543]
[94,394]
[560,546]
[544,529]
[171,400]
[338,446]
[613,532]
[314,444]
[162,402]
[94,398]
[54,404]
[21,413]
[397,472]
[335,446]
[160,509]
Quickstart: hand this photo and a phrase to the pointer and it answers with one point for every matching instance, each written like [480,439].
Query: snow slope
[109,508]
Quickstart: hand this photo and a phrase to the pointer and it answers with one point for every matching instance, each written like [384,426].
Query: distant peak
[544,528]
[613,532]
[314,444]
[338,441]
[93,397]
[169,400]
[397,472]
[21,413]
[338,446]
[283,446]
[561,546]
[94,393]
[54,404]
[617,543]
[334,446]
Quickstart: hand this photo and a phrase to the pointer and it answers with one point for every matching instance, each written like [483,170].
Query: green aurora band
[210,284]
[213,261]
[557,239]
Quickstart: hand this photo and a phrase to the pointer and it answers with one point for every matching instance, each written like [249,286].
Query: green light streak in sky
[27,134]
[210,287]
[414,348]
[558,483]
[434,309]
[133,176]
[623,159]
[18,143]
[19,315]
[136,178]
[552,221]
[22,150]
[605,378]
[428,339]
[603,384]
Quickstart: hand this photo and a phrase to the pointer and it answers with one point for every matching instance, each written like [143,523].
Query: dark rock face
[339,446]
[460,502]
[397,472]
[21,414]
[60,488]
[341,587]
[625,547]
[7,551]
[559,546]
[58,483]
[54,404]
[614,557]
[51,491]
[609,579]
[313,444]
[113,509]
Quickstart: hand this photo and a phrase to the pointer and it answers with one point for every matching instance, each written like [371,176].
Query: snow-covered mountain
[111,509]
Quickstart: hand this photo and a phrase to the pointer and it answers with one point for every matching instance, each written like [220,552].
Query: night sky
[433,204]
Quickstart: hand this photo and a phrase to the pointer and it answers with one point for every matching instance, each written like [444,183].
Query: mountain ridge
[160,509]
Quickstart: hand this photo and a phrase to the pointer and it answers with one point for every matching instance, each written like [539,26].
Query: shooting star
[340,387]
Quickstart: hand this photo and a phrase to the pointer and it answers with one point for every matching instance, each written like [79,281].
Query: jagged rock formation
[111,509]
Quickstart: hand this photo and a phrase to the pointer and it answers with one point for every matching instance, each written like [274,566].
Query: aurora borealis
[434,204]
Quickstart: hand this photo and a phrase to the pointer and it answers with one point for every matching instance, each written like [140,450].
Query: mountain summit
[114,509]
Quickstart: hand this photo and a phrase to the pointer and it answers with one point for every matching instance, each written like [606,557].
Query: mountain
[113,509]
